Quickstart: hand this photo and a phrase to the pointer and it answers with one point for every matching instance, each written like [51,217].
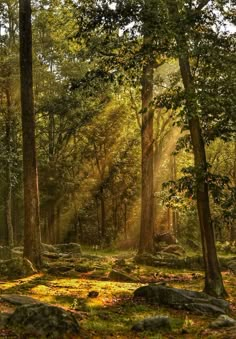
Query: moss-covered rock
[197,302]
[16,268]
[45,321]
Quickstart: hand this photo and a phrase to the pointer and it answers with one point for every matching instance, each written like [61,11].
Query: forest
[117,168]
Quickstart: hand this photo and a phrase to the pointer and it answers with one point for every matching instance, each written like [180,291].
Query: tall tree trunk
[233,226]
[125,221]
[32,236]
[8,173]
[173,210]
[58,224]
[103,214]
[51,221]
[213,279]
[147,203]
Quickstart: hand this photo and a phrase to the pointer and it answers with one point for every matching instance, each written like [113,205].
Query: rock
[147,259]
[48,248]
[93,294]
[121,276]
[168,256]
[223,321]
[232,266]
[16,268]
[153,324]
[202,308]
[43,320]
[17,299]
[59,269]
[83,268]
[170,260]
[69,248]
[174,249]
[51,255]
[120,262]
[5,252]
[182,299]
[166,237]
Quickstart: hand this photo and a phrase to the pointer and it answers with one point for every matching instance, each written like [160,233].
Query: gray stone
[17,299]
[202,308]
[232,266]
[153,324]
[166,237]
[170,260]
[174,249]
[83,268]
[69,248]
[51,255]
[59,269]
[44,321]
[182,299]
[121,276]
[16,268]
[48,248]
[223,321]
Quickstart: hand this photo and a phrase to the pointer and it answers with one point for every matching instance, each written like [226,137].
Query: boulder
[170,260]
[93,294]
[197,302]
[51,255]
[16,268]
[153,324]
[59,269]
[232,266]
[147,259]
[223,321]
[72,248]
[84,268]
[202,308]
[174,249]
[42,320]
[17,299]
[166,237]
[48,248]
[121,276]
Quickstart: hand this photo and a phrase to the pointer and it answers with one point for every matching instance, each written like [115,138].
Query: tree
[9,117]
[132,54]
[32,237]
[147,111]
[213,279]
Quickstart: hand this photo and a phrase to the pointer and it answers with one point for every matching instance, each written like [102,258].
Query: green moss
[113,312]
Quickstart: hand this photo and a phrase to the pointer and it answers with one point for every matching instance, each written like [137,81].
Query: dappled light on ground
[106,308]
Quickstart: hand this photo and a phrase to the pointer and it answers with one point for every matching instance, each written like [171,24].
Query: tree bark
[147,203]
[213,279]
[10,239]
[32,236]
[233,226]
[103,214]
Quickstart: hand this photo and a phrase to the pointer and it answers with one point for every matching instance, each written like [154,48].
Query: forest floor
[113,311]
